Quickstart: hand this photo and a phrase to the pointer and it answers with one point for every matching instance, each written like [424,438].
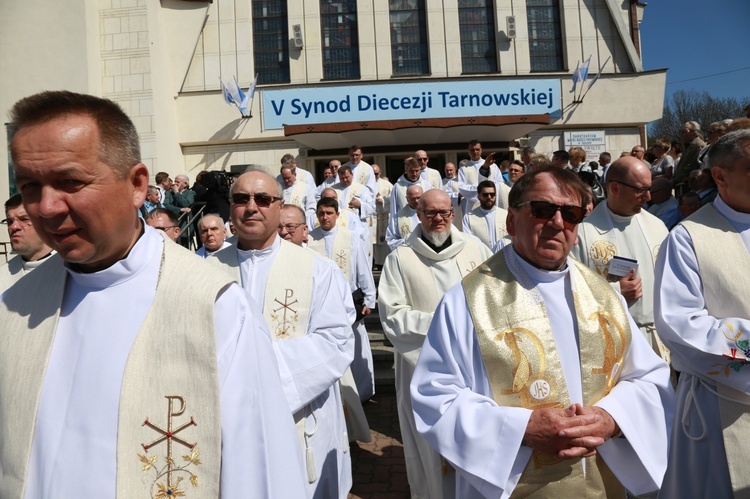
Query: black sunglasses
[261,200]
[544,210]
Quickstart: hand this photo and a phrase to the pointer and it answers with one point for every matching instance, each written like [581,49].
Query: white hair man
[145,384]
[486,221]
[183,196]
[619,228]
[29,248]
[532,367]
[434,257]
[305,301]
[213,235]
[330,173]
[404,222]
[703,316]
[690,134]
[345,249]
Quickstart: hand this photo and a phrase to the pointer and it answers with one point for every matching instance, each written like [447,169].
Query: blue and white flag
[581,74]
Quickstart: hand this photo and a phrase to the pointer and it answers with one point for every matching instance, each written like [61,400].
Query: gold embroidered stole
[478,224]
[725,291]
[353,191]
[434,178]
[404,222]
[522,363]
[296,197]
[341,252]
[286,304]
[163,387]
[363,172]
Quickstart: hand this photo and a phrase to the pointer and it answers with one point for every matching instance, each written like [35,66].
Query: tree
[691,105]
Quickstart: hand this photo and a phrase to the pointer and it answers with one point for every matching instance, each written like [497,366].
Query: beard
[437,238]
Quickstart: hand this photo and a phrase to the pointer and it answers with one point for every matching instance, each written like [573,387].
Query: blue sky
[696,39]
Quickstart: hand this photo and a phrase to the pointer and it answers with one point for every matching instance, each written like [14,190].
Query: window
[476,21]
[271,41]
[338,24]
[545,35]
[408,37]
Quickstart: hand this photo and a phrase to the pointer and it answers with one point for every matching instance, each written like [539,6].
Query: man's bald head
[628,186]
[413,194]
[329,193]
[433,196]
[661,190]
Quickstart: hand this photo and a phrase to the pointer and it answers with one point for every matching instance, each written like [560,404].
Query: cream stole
[341,253]
[458,212]
[418,271]
[181,388]
[404,221]
[353,191]
[520,356]
[471,174]
[725,290]
[382,211]
[478,225]
[297,194]
[434,178]
[362,175]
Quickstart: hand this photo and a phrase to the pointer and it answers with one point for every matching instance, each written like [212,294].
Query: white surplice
[393,236]
[697,343]
[73,452]
[468,189]
[360,277]
[311,365]
[406,327]
[455,411]
[307,201]
[398,193]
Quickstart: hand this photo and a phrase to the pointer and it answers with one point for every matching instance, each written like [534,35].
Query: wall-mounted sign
[398,101]
[593,142]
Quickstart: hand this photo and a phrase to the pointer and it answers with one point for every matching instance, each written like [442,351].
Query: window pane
[408,37]
[476,20]
[545,35]
[338,26]
[271,41]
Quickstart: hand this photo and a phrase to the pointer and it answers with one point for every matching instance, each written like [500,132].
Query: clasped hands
[569,433]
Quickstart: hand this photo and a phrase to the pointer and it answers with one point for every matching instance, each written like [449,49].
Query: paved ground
[378,467]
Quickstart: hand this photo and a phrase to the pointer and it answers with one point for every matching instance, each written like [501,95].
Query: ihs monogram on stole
[285,324]
[601,253]
[171,488]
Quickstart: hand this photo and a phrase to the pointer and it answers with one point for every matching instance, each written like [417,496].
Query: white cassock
[432,177]
[368,181]
[365,197]
[398,194]
[394,236]
[406,327]
[450,186]
[698,346]
[455,411]
[300,194]
[360,277]
[311,365]
[468,188]
[489,233]
[204,253]
[73,452]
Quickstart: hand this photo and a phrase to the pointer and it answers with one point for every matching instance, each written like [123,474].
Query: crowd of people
[559,326]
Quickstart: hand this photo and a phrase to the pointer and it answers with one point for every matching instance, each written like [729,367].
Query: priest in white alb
[416,275]
[344,248]
[619,227]
[703,316]
[486,221]
[406,220]
[105,391]
[410,178]
[379,221]
[309,317]
[296,192]
[474,171]
[361,170]
[533,378]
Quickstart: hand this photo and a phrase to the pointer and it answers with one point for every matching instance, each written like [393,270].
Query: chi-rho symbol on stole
[173,433]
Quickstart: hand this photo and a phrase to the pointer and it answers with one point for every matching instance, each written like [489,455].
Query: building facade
[392,76]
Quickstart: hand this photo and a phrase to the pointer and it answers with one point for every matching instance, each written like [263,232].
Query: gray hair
[728,151]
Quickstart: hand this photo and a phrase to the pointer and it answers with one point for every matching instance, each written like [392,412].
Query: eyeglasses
[261,200]
[434,213]
[22,221]
[289,227]
[639,191]
[487,194]
[165,229]
[544,210]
